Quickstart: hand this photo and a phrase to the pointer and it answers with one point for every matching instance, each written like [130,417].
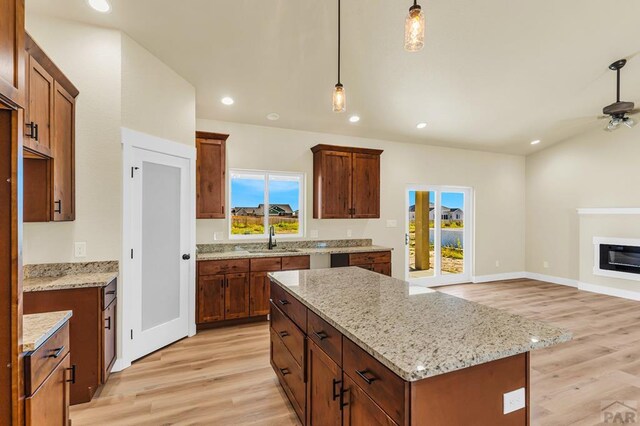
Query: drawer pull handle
[284,302]
[57,352]
[363,374]
[59,208]
[283,334]
[321,335]
[108,326]
[284,371]
[336,393]
[72,380]
[342,399]
[111,292]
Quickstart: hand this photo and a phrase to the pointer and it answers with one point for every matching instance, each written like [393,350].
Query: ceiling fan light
[629,122]
[339,98]
[414,29]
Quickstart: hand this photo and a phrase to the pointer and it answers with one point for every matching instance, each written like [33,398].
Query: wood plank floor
[223,377]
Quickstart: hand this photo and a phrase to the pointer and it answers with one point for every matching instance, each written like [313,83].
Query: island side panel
[472,395]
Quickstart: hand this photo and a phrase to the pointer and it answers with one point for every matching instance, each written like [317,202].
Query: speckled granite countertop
[239,253]
[415,331]
[61,276]
[37,328]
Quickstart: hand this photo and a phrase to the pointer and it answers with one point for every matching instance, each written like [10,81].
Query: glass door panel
[421,234]
[452,233]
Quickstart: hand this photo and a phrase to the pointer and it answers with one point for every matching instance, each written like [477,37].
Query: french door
[439,246]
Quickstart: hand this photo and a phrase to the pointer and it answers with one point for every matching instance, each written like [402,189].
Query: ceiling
[494,74]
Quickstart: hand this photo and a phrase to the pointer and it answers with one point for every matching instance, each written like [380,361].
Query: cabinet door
[210,298]
[332,186]
[259,294]
[382,268]
[366,186]
[210,177]
[63,153]
[39,113]
[236,298]
[360,410]
[324,384]
[12,62]
[49,405]
[108,340]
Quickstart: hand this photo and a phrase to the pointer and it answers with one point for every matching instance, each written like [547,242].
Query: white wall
[598,169]
[498,181]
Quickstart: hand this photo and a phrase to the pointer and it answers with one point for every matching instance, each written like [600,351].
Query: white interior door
[161,250]
[439,246]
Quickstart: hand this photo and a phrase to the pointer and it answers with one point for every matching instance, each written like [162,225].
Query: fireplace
[617,257]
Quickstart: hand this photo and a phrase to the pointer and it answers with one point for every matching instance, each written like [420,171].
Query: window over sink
[260,199]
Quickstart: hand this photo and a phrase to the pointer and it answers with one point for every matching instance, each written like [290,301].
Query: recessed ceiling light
[354,118]
[227,100]
[421,125]
[102,6]
[536,142]
[273,116]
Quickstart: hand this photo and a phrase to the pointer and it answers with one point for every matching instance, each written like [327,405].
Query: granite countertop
[415,331]
[239,253]
[37,328]
[95,279]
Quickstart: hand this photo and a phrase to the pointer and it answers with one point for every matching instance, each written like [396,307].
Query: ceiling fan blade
[629,122]
[602,117]
[634,111]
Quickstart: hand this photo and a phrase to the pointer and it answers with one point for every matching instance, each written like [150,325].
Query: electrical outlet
[497,263]
[514,401]
[392,223]
[80,249]
[349,233]
[217,236]
[313,233]
[545,264]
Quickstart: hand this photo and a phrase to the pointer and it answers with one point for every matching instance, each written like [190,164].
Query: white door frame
[469,231]
[131,140]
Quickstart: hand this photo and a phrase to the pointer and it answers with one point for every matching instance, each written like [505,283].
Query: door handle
[186,256]
[321,335]
[336,394]
[72,380]
[108,326]
[363,374]
[59,208]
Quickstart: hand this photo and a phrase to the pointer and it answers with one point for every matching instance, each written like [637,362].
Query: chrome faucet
[272,240]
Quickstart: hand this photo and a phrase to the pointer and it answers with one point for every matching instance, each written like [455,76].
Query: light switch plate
[392,223]
[514,400]
[80,249]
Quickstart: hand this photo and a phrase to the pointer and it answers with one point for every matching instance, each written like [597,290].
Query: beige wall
[597,169]
[498,181]
[120,84]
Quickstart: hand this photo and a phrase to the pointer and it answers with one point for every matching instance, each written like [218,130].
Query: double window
[260,199]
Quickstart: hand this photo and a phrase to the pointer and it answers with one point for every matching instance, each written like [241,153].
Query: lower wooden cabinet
[360,409]
[324,388]
[259,294]
[210,298]
[379,261]
[92,332]
[236,296]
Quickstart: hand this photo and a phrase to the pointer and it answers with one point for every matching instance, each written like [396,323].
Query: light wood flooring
[223,377]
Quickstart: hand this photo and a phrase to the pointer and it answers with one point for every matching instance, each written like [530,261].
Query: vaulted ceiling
[494,75]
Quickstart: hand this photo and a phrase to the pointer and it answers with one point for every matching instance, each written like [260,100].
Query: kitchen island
[355,347]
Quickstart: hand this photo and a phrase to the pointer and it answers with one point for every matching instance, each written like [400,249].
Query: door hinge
[132,170]
[132,253]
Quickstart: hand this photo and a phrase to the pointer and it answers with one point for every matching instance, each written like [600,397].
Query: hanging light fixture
[339,96]
[414,28]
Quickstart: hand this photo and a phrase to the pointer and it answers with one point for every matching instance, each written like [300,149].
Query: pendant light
[414,28]
[339,96]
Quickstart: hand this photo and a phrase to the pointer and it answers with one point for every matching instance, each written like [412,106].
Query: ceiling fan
[618,112]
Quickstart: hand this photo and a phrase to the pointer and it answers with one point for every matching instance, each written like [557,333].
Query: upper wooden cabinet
[49,140]
[346,182]
[12,64]
[210,176]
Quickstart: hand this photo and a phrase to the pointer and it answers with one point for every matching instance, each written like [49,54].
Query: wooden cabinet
[211,175]
[92,332]
[49,140]
[48,375]
[346,182]
[324,388]
[379,262]
[360,409]
[238,289]
[12,63]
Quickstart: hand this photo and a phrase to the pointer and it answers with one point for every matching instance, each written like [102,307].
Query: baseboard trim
[120,365]
[609,291]
[551,279]
[498,277]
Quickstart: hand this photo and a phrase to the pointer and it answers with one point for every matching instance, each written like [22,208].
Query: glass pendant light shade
[414,29]
[339,99]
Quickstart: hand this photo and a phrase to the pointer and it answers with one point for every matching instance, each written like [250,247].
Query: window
[262,199]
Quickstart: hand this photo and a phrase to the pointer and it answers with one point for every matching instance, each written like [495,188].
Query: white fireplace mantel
[615,241]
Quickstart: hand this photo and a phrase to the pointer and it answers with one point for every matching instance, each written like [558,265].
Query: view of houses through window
[261,199]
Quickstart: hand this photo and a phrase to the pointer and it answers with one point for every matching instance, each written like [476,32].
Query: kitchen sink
[275,250]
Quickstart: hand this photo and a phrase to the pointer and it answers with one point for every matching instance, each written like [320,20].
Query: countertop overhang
[415,331]
[37,328]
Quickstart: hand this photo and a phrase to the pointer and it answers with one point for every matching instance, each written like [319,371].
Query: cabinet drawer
[383,386]
[289,333]
[266,264]
[49,405]
[213,267]
[291,375]
[295,262]
[325,336]
[373,257]
[109,294]
[295,310]
[41,362]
